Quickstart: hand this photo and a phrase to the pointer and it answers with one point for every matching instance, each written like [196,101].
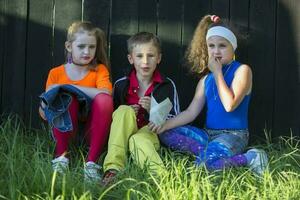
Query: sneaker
[109,177]
[91,172]
[60,164]
[259,163]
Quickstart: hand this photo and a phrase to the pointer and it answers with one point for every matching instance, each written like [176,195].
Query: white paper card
[159,111]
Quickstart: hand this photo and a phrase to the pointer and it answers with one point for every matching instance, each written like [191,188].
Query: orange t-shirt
[99,78]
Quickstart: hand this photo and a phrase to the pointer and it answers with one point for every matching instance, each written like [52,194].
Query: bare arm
[92,92]
[42,104]
[187,115]
[241,86]
[41,111]
[89,91]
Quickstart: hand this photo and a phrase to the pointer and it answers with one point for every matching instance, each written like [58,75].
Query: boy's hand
[155,128]
[145,102]
[136,108]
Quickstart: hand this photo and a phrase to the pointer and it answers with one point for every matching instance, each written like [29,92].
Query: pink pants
[97,127]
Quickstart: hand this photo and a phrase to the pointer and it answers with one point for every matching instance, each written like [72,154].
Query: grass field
[26,173]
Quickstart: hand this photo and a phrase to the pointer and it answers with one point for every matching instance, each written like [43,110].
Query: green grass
[25,173]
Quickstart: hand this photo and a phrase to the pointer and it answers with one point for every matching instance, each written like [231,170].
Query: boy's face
[145,58]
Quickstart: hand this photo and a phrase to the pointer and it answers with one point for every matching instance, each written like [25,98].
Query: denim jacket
[58,100]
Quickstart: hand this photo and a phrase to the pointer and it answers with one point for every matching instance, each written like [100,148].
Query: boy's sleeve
[116,96]
[173,96]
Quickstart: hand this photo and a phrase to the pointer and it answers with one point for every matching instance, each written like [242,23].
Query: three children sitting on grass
[225,86]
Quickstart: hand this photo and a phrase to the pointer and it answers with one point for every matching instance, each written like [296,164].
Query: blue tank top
[216,116]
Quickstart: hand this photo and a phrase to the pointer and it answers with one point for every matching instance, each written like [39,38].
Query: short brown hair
[142,38]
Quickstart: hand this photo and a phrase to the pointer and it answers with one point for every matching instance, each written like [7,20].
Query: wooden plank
[147,16]
[221,8]
[261,54]
[13,63]
[39,56]
[124,23]
[3,22]
[97,12]
[66,12]
[169,31]
[239,20]
[287,79]
[194,10]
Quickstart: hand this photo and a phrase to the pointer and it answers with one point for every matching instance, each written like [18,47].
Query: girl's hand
[41,111]
[214,64]
[136,108]
[156,128]
[145,102]
[42,114]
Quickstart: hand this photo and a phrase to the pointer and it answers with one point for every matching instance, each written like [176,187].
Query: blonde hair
[85,26]
[197,54]
[142,38]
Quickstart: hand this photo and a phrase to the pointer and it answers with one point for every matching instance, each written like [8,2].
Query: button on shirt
[133,98]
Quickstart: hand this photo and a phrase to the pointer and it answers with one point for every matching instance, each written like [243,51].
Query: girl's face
[145,58]
[220,48]
[83,48]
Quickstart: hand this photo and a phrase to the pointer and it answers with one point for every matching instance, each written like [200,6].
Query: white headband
[223,32]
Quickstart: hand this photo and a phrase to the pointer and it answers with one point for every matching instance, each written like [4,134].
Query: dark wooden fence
[32,35]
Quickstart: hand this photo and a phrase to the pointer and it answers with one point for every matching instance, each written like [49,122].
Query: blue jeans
[235,140]
[223,144]
[58,100]
[207,144]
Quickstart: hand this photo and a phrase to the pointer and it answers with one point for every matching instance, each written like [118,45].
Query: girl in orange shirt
[87,70]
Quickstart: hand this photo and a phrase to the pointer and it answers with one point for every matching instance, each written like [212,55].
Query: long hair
[101,47]
[197,53]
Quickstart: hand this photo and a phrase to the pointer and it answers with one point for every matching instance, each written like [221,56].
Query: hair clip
[215,18]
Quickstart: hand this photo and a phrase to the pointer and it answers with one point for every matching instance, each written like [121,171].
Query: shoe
[259,163]
[109,177]
[91,172]
[60,164]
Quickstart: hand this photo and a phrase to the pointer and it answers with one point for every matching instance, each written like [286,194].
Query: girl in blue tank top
[225,87]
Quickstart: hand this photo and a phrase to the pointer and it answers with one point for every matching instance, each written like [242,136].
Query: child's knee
[136,141]
[103,99]
[133,142]
[103,103]
[213,152]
